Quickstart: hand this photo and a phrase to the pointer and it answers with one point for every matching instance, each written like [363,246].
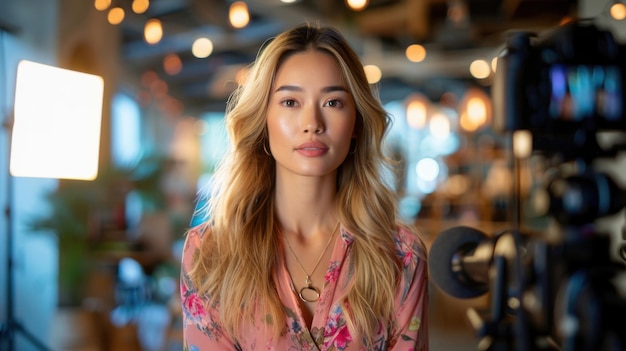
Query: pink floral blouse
[408,330]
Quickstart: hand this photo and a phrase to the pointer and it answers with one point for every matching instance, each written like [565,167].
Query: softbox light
[57,119]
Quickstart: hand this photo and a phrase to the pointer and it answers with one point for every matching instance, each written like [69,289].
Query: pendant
[309,293]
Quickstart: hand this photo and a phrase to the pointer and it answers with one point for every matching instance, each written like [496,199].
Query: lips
[312,148]
[312,145]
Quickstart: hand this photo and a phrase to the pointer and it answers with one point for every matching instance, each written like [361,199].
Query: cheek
[348,127]
[278,128]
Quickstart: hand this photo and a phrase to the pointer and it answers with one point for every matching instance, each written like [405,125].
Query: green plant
[75,206]
[83,211]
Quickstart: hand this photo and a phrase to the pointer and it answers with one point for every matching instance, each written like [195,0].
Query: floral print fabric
[407,331]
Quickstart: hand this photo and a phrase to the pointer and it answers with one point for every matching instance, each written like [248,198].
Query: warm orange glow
[474,110]
[373,73]
[102,5]
[618,11]
[56,132]
[415,53]
[153,31]
[522,143]
[238,14]
[116,15]
[480,69]
[140,6]
[357,5]
[494,64]
[202,47]
[417,111]
[172,64]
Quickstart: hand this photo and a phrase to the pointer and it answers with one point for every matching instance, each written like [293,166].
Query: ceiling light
[202,47]
[116,15]
[172,64]
[415,53]
[618,11]
[417,111]
[373,73]
[475,110]
[522,143]
[140,6]
[480,69]
[102,5]
[238,14]
[153,31]
[357,5]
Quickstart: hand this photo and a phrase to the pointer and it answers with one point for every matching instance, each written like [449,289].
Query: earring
[266,152]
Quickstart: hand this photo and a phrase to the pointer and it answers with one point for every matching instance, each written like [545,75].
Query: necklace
[309,293]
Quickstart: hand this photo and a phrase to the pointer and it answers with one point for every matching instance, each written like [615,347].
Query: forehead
[309,66]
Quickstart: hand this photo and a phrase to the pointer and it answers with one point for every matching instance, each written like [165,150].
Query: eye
[333,103]
[289,103]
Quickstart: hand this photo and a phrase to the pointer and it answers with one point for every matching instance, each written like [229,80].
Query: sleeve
[202,329]
[411,324]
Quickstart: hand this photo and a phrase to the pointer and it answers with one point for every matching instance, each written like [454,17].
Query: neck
[306,208]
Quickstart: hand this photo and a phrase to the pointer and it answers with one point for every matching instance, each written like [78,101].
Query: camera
[567,80]
[555,289]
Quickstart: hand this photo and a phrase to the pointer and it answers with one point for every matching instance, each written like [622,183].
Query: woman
[302,249]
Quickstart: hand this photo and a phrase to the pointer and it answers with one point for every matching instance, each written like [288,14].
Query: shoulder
[411,253]
[194,235]
[193,241]
[409,242]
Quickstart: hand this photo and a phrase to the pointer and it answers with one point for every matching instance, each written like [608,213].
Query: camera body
[566,86]
[566,81]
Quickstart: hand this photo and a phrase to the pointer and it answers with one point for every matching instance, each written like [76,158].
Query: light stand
[12,325]
[54,133]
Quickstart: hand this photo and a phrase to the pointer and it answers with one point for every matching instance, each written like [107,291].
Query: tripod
[11,327]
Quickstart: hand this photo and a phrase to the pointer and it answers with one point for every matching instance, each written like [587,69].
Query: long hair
[237,258]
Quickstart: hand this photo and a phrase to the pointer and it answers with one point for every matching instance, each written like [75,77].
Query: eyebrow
[327,89]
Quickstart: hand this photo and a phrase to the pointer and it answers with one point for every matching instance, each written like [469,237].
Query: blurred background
[90,265]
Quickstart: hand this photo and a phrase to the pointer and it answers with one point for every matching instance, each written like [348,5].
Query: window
[125,131]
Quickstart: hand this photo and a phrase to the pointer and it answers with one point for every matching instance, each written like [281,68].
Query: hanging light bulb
[480,69]
[238,14]
[417,111]
[116,15]
[373,73]
[172,64]
[153,31]
[357,5]
[618,11]
[102,5]
[415,53]
[140,6]
[202,47]
[474,110]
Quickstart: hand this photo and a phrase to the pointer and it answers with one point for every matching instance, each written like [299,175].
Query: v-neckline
[293,293]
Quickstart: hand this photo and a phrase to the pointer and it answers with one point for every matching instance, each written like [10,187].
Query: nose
[312,121]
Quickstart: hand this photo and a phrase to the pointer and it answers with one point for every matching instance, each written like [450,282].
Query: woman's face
[311,115]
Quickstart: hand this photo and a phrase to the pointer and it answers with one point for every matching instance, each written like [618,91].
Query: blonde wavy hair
[237,258]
